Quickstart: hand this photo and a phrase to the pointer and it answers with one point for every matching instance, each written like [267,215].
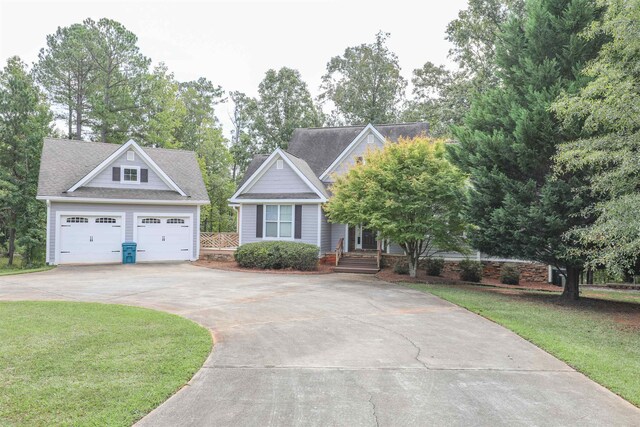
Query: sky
[233,43]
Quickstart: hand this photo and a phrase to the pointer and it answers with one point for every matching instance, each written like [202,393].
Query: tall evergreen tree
[510,136]
[242,145]
[24,122]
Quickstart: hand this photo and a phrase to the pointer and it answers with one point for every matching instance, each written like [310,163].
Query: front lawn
[18,268]
[64,363]
[598,335]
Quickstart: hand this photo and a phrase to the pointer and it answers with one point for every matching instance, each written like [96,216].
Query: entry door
[369,239]
[90,239]
[164,238]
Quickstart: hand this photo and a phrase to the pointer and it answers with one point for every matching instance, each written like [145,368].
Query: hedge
[277,255]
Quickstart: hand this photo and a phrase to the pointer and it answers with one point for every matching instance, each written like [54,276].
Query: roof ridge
[144,147]
[374,125]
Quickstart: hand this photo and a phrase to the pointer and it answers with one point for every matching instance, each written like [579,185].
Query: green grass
[598,335]
[17,267]
[64,363]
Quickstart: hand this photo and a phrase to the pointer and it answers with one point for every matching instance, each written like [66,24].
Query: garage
[90,238]
[163,238]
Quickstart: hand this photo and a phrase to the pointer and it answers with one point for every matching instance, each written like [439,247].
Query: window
[130,175]
[77,219]
[279,164]
[150,220]
[105,220]
[359,160]
[175,221]
[370,139]
[278,221]
[131,156]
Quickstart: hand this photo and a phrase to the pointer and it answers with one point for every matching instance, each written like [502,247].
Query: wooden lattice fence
[218,240]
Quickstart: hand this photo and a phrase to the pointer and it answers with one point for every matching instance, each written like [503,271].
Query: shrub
[470,271]
[510,274]
[277,255]
[401,266]
[434,266]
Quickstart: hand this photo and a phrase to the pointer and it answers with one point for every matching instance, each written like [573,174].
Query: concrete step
[358,261]
[354,269]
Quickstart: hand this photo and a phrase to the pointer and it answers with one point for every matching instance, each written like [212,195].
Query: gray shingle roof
[65,162]
[310,196]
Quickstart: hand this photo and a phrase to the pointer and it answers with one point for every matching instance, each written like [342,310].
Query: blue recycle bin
[129,252]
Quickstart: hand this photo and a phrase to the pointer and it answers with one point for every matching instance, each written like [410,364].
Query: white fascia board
[122,201]
[129,144]
[275,201]
[350,147]
[265,166]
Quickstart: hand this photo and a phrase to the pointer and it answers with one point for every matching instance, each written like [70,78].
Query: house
[281,195]
[100,195]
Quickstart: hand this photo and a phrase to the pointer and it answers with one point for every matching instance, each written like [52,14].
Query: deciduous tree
[410,193]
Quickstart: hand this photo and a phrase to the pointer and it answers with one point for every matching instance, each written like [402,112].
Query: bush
[434,266]
[401,267]
[278,255]
[470,271]
[510,274]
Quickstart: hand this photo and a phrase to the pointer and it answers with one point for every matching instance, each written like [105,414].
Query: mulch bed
[451,278]
[233,266]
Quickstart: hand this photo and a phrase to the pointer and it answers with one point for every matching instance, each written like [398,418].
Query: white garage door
[164,238]
[90,239]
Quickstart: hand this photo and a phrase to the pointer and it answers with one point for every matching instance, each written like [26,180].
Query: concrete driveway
[338,350]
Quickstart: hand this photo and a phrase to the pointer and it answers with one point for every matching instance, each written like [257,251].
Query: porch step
[355,269]
[358,261]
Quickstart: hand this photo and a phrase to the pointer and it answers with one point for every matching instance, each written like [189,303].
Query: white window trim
[293,223]
[122,168]
[131,156]
[279,164]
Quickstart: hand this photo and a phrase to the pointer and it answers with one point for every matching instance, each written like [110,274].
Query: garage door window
[105,220]
[175,221]
[77,219]
[151,220]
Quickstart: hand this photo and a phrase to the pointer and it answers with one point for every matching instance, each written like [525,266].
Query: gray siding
[338,231]
[276,180]
[103,179]
[129,210]
[309,224]
[359,150]
[325,235]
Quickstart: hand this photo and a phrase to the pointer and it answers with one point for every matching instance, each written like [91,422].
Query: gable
[274,180]
[368,140]
[104,179]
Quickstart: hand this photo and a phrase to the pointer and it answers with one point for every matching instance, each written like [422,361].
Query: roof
[304,168]
[64,162]
[267,196]
[319,147]
[255,163]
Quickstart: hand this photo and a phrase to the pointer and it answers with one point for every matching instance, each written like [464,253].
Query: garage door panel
[164,238]
[90,239]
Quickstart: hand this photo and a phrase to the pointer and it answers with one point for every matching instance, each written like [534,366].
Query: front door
[369,239]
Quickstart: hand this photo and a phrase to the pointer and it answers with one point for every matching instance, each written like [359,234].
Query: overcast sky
[234,43]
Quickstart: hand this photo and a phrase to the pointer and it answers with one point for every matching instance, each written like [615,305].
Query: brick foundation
[328,259]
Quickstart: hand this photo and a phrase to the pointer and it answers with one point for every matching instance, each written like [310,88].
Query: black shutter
[259,221]
[115,174]
[144,175]
[297,234]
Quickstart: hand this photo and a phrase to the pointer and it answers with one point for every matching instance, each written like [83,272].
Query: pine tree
[520,209]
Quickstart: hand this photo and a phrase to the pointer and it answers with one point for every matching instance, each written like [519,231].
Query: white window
[175,221]
[151,221]
[105,220]
[131,156]
[77,219]
[370,139]
[278,221]
[279,164]
[130,175]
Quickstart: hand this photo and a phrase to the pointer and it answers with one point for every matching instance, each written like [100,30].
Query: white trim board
[268,162]
[144,156]
[60,214]
[122,201]
[275,201]
[350,147]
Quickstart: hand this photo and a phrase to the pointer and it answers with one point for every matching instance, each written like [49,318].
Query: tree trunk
[589,277]
[572,287]
[70,121]
[12,245]
[78,121]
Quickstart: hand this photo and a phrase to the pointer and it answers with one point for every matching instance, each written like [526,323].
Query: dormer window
[130,175]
